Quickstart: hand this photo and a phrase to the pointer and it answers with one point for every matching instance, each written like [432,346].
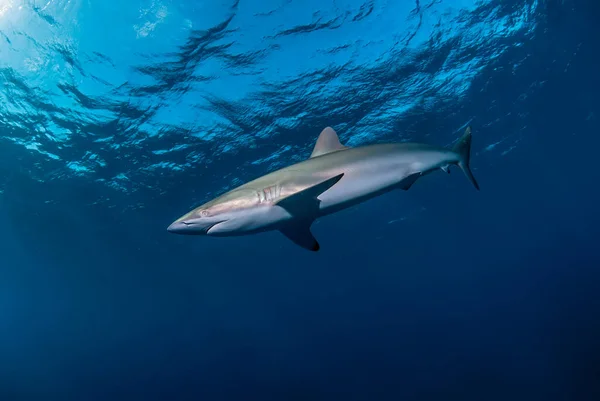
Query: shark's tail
[463,149]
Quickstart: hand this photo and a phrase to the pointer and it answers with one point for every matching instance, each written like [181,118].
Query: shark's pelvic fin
[409,181]
[299,233]
[463,149]
[305,202]
[327,142]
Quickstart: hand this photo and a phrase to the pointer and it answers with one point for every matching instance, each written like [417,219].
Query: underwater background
[117,117]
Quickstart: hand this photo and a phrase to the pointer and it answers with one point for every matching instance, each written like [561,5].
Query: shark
[334,177]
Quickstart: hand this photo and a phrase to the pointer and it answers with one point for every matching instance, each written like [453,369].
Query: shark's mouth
[196,227]
[208,230]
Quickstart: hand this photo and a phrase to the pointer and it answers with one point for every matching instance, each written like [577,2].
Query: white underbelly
[358,185]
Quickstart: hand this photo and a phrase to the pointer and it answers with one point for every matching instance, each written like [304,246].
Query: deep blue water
[118,117]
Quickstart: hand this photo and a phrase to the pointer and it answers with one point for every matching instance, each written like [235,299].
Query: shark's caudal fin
[327,142]
[463,149]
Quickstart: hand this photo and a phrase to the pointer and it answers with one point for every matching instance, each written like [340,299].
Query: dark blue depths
[437,293]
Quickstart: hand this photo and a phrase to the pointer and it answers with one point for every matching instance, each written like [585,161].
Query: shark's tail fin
[463,149]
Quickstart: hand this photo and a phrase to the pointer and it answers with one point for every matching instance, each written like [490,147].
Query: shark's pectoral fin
[304,202]
[299,233]
[406,183]
[304,206]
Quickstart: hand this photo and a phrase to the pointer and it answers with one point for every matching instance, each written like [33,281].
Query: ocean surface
[117,117]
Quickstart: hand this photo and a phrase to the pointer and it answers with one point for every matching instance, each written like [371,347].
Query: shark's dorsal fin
[305,202]
[299,233]
[327,142]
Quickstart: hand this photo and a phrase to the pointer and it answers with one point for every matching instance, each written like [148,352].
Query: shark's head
[199,222]
[232,213]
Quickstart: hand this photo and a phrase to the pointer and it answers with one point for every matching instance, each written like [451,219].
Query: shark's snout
[181,227]
[193,226]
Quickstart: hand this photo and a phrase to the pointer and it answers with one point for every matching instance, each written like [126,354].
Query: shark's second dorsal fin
[327,142]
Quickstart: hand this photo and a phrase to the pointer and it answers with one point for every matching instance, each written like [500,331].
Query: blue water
[117,117]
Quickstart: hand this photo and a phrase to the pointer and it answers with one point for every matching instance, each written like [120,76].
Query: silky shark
[335,177]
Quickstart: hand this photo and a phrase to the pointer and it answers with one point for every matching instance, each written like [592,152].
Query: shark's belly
[362,182]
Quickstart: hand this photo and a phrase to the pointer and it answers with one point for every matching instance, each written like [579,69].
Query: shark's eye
[204,213]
